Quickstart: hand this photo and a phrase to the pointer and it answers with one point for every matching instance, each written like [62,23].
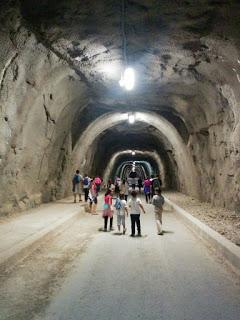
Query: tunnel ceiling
[172,44]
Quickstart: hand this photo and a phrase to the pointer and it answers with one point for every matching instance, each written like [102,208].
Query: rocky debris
[225,222]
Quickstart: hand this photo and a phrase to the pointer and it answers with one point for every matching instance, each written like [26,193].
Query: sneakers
[160,233]
[124,230]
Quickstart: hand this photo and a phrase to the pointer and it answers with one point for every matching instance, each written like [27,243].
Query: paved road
[154,277]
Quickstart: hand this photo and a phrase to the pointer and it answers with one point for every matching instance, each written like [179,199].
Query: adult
[121,210]
[86,186]
[124,189]
[93,197]
[147,189]
[98,182]
[76,183]
[135,206]
[156,183]
[158,201]
[140,184]
[107,210]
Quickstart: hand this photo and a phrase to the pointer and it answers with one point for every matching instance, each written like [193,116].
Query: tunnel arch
[152,154]
[187,172]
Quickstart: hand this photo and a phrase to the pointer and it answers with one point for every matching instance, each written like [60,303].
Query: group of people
[149,185]
[121,189]
[134,207]
[90,187]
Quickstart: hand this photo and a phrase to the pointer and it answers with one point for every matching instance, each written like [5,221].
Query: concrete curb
[31,243]
[222,245]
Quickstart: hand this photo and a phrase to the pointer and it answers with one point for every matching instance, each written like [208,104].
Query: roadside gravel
[224,221]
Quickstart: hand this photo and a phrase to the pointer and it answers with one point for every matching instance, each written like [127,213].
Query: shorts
[77,188]
[120,219]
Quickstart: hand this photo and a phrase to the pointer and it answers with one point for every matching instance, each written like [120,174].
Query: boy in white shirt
[136,206]
[121,210]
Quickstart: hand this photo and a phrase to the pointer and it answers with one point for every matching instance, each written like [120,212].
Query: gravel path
[224,221]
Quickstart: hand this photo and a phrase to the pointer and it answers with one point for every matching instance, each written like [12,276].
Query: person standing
[147,189]
[98,182]
[157,183]
[93,197]
[107,210]
[140,185]
[158,201]
[121,209]
[76,183]
[124,189]
[135,206]
[86,186]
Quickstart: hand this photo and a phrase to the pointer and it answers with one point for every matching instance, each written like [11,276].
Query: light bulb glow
[133,153]
[131,118]
[128,79]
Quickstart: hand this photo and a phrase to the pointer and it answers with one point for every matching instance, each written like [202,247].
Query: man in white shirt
[136,207]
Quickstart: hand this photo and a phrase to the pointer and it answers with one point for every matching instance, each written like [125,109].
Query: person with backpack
[98,182]
[156,184]
[147,189]
[121,210]
[135,206]
[158,201]
[86,186]
[107,210]
[76,183]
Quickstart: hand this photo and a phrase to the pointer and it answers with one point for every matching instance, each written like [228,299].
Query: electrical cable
[124,37]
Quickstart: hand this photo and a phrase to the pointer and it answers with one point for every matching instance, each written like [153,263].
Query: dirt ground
[224,221]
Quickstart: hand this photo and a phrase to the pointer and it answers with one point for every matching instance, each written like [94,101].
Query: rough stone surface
[55,58]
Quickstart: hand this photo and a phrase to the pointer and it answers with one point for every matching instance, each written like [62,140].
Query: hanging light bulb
[131,118]
[127,79]
[133,153]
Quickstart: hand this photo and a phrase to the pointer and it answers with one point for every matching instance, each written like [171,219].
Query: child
[135,206]
[121,209]
[158,201]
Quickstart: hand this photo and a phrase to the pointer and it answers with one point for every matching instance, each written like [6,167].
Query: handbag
[105,206]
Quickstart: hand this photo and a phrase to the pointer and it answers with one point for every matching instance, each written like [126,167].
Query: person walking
[121,210]
[158,201]
[93,197]
[135,206]
[107,210]
[140,185]
[147,189]
[98,182]
[86,186]
[156,183]
[76,183]
[124,189]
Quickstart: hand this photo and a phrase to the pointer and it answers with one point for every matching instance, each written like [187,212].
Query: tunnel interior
[62,108]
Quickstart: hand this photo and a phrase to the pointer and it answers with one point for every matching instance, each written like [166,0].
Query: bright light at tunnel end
[127,80]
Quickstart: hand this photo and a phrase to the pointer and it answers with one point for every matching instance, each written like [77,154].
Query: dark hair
[77,171]
[121,196]
[134,193]
[124,180]
[108,192]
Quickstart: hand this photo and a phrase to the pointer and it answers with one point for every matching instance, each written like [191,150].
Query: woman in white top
[135,206]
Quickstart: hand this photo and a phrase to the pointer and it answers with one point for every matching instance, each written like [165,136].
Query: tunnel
[119,159]
[62,107]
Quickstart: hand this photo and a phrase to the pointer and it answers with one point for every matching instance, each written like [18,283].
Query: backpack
[76,179]
[85,181]
[118,204]
[156,184]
